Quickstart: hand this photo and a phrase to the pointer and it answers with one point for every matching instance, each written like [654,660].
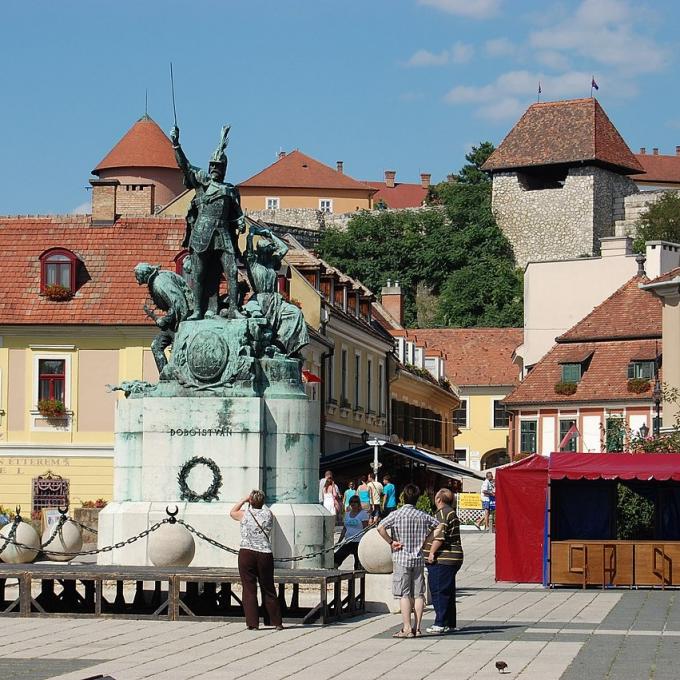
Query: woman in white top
[356,520]
[331,497]
[255,559]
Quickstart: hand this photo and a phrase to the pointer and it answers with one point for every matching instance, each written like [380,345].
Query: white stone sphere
[375,553]
[25,534]
[171,545]
[69,540]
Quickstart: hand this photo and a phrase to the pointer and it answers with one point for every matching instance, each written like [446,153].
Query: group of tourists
[377,499]
[417,540]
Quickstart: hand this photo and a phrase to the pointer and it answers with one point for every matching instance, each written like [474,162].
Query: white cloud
[460,53]
[474,9]
[553,59]
[511,92]
[606,32]
[500,47]
[82,209]
[427,58]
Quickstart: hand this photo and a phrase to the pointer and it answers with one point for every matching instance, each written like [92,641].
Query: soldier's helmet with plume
[219,158]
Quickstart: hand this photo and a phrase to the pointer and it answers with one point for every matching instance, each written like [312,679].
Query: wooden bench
[184,593]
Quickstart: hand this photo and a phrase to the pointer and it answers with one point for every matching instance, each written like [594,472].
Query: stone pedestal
[267,442]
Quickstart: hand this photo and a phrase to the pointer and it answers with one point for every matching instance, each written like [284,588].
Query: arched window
[58,268]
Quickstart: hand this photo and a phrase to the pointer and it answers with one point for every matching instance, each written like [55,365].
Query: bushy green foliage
[425,504]
[455,249]
[660,222]
[471,172]
[634,515]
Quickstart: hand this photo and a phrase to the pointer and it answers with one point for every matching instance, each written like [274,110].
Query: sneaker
[438,630]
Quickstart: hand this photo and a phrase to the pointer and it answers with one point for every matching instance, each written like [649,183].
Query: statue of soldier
[171,294]
[213,225]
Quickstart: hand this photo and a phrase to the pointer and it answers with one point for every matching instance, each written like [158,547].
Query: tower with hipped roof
[137,176]
[557,176]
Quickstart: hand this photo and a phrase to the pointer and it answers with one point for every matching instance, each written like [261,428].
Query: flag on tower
[538,98]
[593,85]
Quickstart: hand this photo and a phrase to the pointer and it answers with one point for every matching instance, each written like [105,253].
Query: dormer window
[641,369]
[571,373]
[58,269]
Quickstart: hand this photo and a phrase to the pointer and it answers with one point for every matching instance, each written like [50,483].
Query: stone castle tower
[557,177]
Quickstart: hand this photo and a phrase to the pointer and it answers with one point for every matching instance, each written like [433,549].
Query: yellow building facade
[77,446]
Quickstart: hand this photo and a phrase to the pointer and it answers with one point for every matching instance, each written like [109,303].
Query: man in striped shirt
[444,556]
[409,528]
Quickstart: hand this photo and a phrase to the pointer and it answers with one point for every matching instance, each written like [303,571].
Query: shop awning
[641,466]
[432,461]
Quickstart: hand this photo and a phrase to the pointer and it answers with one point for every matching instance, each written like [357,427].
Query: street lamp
[364,436]
[376,444]
[644,430]
[656,396]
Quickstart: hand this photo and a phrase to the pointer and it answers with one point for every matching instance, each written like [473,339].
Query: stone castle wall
[558,223]
[628,209]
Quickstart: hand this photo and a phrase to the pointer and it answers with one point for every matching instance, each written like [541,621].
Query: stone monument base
[299,529]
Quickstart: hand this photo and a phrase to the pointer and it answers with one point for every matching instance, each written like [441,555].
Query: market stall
[590,519]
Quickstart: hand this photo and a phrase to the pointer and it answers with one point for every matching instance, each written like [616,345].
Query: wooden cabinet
[657,564]
[618,563]
[591,563]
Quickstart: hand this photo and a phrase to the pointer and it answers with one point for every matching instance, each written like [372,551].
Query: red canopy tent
[642,466]
[521,490]
[521,495]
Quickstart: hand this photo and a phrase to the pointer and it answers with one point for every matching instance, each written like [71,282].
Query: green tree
[660,222]
[454,253]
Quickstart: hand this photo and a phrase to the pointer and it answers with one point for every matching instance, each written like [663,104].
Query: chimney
[677,150]
[643,151]
[339,166]
[104,201]
[655,151]
[390,176]
[425,180]
[280,155]
[393,301]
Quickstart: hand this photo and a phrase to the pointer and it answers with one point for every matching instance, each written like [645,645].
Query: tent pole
[546,554]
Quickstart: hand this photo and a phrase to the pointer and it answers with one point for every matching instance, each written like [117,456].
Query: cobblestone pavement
[546,634]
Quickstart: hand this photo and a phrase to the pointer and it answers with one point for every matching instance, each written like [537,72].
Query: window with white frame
[369,385]
[326,205]
[52,378]
[501,418]
[381,388]
[330,367]
[357,380]
[527,436]
[272,203]
[343,377]
[460,415]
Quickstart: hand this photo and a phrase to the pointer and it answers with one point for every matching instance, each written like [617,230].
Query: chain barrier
[84,526]
[171,519]
[12,532]
[57,530]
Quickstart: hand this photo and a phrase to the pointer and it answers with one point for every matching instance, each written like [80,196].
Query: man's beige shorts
[408,581]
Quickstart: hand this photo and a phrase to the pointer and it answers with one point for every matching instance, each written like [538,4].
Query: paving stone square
[561,633]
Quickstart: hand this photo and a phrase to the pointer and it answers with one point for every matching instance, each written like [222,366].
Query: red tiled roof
[571,131]
[606,378]
[658,168]
[627,313]
[299,171]
[109,293]
[475,356]
[144,145]
[402,195]
[668,276]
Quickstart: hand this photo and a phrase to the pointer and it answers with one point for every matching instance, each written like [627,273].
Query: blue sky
[407,85]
